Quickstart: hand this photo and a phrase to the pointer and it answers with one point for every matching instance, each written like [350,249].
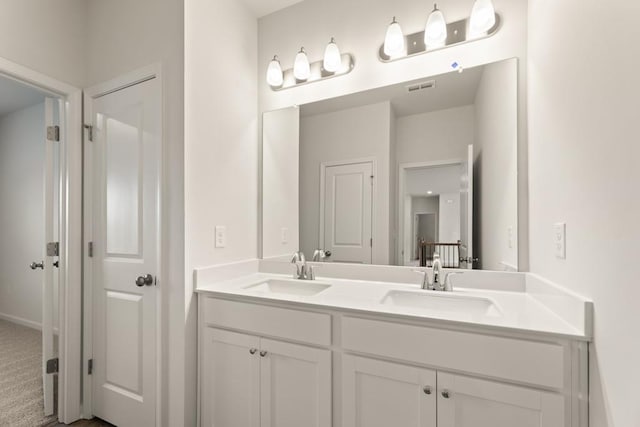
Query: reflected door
[347,209]
[126,152]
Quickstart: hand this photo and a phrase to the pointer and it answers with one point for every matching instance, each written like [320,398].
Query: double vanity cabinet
[274,362]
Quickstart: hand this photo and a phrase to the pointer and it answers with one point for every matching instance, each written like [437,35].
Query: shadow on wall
[477,210]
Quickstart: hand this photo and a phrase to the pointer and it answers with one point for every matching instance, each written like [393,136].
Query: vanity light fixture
[301,68]
[394,40]
[438,34]
[274,73]
[333,64]
[483,17]
[435,32]
[332,57]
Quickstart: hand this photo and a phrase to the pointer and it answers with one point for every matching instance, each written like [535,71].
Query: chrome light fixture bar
[457,33]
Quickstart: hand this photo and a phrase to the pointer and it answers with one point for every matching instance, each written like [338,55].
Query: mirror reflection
[399,175]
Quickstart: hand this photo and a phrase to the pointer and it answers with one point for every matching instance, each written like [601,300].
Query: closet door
[471,402]
[383,394]
[295,383]
[230,379]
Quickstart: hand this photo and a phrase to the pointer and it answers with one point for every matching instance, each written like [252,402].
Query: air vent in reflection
[421,86]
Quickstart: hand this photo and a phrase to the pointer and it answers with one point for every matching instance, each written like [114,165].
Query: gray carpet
[21,399]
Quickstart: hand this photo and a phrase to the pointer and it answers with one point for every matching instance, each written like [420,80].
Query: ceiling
[451,90]
[15,96]
[265,7]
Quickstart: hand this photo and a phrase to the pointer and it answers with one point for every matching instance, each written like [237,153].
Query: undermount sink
[442,302]
[289,287]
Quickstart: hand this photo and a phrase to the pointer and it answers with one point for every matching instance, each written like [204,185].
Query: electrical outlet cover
[560,240]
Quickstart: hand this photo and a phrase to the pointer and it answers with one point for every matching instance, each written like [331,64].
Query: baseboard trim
[21,321]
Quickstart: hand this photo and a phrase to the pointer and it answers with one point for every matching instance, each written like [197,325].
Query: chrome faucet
[437,267]
[301,265]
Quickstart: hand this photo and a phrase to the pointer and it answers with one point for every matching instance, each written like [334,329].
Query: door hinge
[89,129]
[90,249]
[53,249]
[53,133]
[371,242]
[52,366]
[90,366]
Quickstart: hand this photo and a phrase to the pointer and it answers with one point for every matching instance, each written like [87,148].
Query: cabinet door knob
[253,350]
[445,394]
[263,353]
[427,389]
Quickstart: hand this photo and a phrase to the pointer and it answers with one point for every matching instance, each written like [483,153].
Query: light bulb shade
[394,40]
[301,68]
[332,57]
[274,73]
[435,32]
[483,17]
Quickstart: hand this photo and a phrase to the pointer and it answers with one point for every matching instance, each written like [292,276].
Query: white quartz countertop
[512,311]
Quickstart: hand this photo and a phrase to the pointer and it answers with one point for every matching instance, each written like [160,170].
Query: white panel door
[126,175]
[348,208]
[51,228]
[384,394]
[295,384]
[230,379]
[470,402]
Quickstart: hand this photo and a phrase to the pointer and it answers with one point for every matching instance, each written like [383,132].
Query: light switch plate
[284,235]
[221,236]
[560,240]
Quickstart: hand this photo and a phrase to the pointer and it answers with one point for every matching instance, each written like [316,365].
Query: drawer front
[523,361]
[296,325]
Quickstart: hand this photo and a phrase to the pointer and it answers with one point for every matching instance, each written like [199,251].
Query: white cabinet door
[230,379]
[384,394]
[295,383]
[470,402]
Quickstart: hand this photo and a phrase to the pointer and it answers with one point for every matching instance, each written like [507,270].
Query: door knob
[446,394]
[144,280]
[35,265]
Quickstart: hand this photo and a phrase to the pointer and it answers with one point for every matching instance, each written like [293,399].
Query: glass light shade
[332,57]
[301,68]
[483,17]
[435,32]
[274,73]
[394,40]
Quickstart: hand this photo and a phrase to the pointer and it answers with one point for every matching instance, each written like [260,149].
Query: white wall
[496,166]
[122,36]
[280,184]
[355,133]
[221,146]
[583,129]
[22,138]
[449,218]
[46,36]
[438,135]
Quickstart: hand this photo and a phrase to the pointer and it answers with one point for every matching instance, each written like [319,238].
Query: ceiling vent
[421,86]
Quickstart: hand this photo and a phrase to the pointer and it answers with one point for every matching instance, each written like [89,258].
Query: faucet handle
[311,271]
[448,286]
[425,278]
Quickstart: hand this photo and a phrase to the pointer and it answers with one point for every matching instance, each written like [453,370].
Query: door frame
[323,172]
[70,270]
[141,75]
[403,168]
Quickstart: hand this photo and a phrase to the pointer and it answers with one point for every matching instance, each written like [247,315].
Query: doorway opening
[30,212]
